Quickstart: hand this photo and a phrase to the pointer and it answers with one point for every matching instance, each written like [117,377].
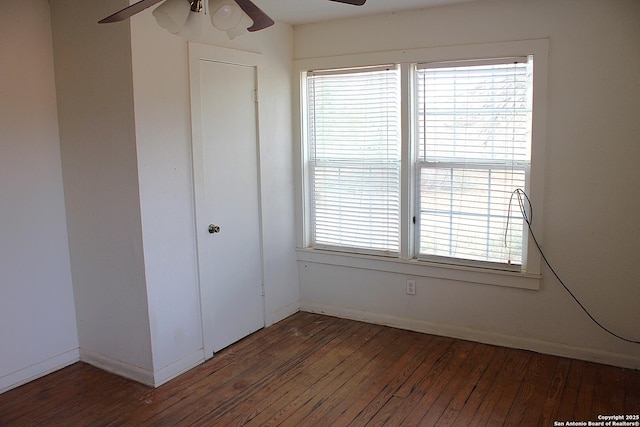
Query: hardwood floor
[318,370]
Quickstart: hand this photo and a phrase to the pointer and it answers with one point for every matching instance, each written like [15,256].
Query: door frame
[197,53]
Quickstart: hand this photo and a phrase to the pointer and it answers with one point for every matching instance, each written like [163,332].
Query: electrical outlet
[411,287]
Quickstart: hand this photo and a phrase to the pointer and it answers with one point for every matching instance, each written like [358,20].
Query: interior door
[227,201]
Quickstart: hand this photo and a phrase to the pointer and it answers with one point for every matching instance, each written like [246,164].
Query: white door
[227,201]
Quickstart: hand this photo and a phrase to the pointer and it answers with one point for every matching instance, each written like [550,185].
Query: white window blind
[474,145]
[353,137]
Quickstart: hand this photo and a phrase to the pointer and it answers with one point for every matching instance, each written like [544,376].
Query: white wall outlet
[411,287]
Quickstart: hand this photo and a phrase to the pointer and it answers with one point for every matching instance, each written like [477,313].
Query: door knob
[214,229]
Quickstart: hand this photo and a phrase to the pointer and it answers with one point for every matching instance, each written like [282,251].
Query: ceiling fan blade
[353,2]
[129,11]
[260,19]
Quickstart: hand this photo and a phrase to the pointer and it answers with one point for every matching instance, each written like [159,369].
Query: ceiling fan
[260,19]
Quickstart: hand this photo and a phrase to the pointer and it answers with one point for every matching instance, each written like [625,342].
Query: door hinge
[254,94]
[262,286]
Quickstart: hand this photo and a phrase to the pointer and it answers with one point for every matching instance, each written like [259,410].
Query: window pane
[353,132]
[475,112]
[464,212]
[357,206]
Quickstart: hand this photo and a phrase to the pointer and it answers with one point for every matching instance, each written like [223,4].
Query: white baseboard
[144,376]
[177,368]
[546,347]
[117,367]
[40,369]
[283,313]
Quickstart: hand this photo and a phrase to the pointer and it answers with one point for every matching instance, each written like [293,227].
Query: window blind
[353,131]
[474,145]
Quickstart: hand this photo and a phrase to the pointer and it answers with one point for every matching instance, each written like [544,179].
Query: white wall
[163,124]
[99,160]
[37,315]
[590,221]
[162,114]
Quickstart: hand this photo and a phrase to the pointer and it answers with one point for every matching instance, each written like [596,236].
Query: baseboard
[283,313]
[117,367]
[144,376]
[177,368]
[37,370]
[546,347]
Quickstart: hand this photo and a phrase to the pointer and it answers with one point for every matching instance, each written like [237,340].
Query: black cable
[529,219]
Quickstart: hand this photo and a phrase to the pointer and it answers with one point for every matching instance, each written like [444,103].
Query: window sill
[422,269]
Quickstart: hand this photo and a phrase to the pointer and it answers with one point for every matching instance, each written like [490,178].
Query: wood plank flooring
[311,369]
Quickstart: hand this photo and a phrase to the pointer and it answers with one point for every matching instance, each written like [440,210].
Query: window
[419,160]
[353,136]
[474,151]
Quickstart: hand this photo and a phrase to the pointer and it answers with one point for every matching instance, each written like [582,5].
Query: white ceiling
[297,12]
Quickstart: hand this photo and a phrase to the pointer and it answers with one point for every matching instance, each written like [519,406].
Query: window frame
[407,263]
[461,164]
[313,163]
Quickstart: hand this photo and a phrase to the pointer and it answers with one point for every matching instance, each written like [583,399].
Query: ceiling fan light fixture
[172,15]
[241,28]
[227,16]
